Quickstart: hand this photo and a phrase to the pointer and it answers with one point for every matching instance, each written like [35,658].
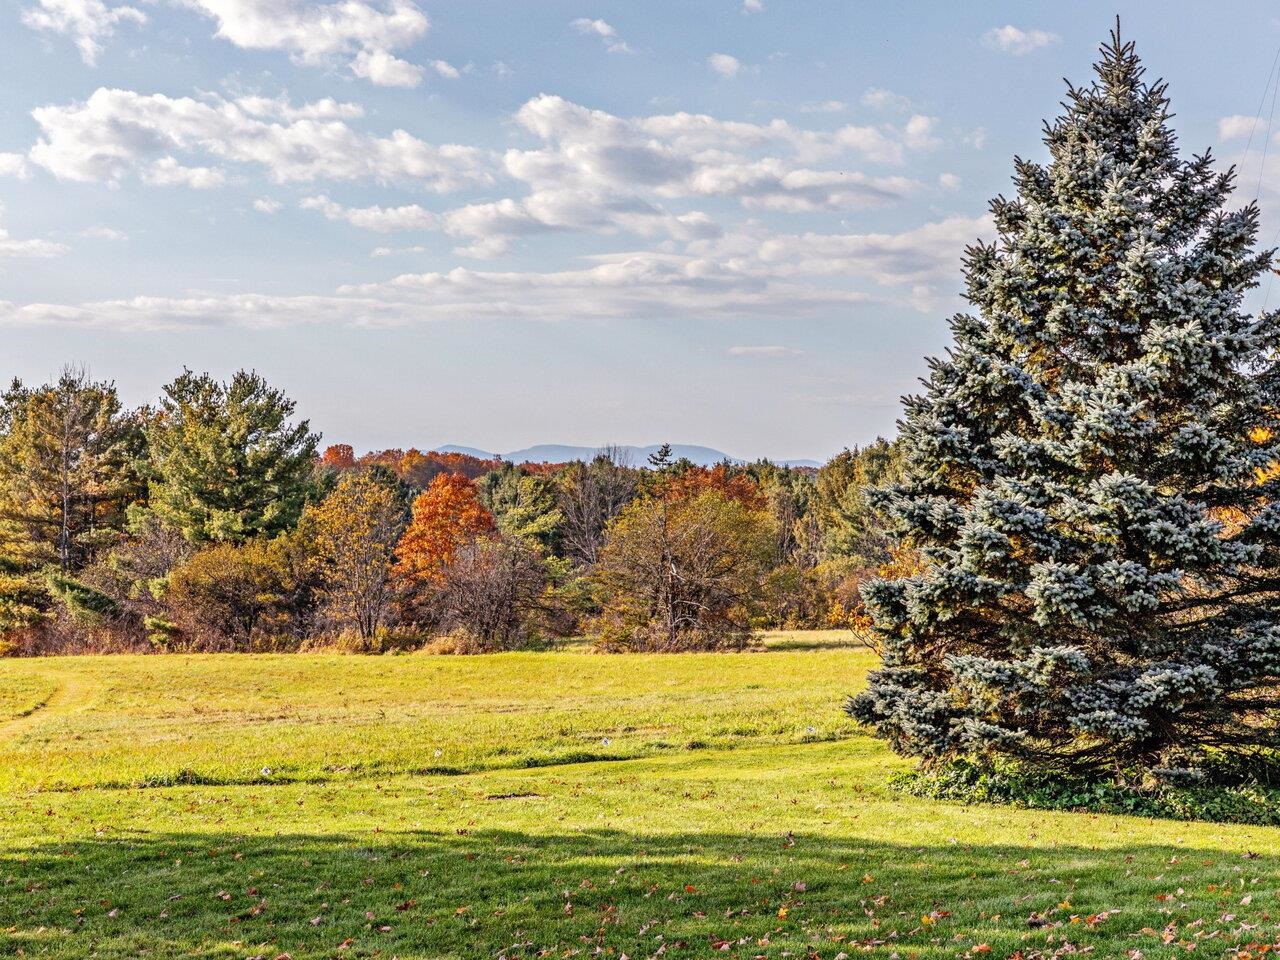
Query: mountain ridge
[639,455]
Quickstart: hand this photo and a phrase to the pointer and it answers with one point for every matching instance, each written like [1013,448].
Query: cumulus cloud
[385,69]
[694,155]
[878,98]
[116,133]
[918,134]
[753,6]
[1015,40]
[267,205]
[600,173]
[725,65]
[603,30]
[87,22]
[1235,127]
[168,172]
[446,69]
[378,219]
[362,33]
[14,165]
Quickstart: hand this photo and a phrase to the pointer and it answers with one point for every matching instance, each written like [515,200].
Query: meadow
[552,804]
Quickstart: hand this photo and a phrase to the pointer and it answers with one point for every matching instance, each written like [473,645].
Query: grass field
[551,805]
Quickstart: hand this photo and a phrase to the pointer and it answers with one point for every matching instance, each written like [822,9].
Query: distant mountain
[639,456]
[468,451]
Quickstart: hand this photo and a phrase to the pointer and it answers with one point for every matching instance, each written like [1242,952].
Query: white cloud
[363,33]
[753,6]
[751,274]
[725,65]
[1015,40]
[396,251]
[877,98]
[1235,127]
[823,106]
[89,22]
[168,172]
[763,351]
[948,181]
[929,254]
[378,219]
[267,205]
[631,286]
[14,165]
[116,133]
[683,155]
[604,31]
[11,247]
[386,70]
[599,173]
[918,133]
[103,233]
[445,69]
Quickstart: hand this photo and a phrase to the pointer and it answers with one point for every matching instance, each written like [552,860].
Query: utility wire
[1257,115]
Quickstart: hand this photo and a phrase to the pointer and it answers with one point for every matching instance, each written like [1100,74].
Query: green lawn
[550,805]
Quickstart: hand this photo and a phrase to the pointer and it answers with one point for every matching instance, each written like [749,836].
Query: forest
[213,520]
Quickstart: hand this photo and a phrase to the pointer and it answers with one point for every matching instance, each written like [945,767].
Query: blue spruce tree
[1090,471]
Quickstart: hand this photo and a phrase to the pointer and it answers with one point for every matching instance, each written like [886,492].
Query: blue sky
[707,221]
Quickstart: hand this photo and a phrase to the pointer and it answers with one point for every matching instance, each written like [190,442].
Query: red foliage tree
[446,516]
[731,485]
[339,456]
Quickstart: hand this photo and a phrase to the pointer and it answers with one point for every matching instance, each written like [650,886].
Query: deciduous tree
[683,574]
[447,515]
[355,531]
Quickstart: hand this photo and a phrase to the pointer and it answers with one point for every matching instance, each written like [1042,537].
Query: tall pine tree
[228,464]
[1089,471]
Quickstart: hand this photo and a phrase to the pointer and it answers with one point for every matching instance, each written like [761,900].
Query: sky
[737,223]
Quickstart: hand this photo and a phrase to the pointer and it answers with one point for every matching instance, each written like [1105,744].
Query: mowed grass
[551,805]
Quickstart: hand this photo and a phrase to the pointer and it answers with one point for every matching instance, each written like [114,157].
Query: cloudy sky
[730,222]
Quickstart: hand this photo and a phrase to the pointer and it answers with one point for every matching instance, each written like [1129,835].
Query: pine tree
[1087,471]
[69,458]
[228,464]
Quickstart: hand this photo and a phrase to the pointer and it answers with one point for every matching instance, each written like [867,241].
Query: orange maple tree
[733,486]
[446,516]
[339,456]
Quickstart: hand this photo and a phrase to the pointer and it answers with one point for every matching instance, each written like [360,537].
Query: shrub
[962,781]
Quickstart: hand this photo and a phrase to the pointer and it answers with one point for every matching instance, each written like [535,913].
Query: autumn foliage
[732,485]
[446,516]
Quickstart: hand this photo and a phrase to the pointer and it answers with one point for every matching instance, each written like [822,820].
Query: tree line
[212,520]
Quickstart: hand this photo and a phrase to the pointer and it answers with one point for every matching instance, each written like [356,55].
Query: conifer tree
[1088,471]
[227,462]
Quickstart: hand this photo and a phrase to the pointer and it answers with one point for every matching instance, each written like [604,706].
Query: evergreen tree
[69,459]
[228,464]
[1087,471]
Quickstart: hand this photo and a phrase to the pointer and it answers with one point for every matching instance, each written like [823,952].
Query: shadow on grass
[610,893]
